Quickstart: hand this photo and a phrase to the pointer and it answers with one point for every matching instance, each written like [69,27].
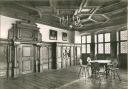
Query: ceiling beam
[118,10]
[84,3]
[115,11]
[31,8]
[81,6]
[109,28]
[118,20]
[111,5]
[93,12]
[53,5]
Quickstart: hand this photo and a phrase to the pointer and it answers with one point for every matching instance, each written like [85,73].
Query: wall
[44,29]
[77,37]
[5,25]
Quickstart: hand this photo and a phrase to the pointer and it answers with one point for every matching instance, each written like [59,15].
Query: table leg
[107,70]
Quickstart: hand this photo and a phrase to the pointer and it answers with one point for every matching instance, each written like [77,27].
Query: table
[101,61]
[104,62]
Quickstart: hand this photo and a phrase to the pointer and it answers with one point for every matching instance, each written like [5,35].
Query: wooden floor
[62,79]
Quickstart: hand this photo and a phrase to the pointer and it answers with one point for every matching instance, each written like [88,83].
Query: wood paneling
[123,61]
[25,39]
[3,60]
[66,55]
[45,57]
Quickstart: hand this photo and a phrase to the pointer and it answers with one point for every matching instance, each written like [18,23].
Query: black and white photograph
[63,44]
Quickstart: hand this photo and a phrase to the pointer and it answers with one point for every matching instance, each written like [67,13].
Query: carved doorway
[27,58]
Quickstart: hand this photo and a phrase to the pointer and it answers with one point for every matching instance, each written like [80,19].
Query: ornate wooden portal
[25,49]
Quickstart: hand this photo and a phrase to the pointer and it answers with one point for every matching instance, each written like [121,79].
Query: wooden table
[103,62]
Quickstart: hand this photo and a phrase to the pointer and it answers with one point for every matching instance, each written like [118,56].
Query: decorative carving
[26,41]
[23,31]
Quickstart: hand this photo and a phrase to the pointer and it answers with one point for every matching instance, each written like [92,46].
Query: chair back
[88,60]
[80,62]
[114,62]
[95,66]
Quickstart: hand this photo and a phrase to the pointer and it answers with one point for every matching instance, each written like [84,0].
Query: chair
[95,67]
[97,73]
[89,66]
[83,68]
[114,69]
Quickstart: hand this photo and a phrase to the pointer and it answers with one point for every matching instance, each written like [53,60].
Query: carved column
[37,63]
[14,61]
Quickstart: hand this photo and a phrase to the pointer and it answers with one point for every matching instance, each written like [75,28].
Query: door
[27,59]
[44,57]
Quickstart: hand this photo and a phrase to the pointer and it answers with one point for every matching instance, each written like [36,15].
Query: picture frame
[53,35]
[64,36]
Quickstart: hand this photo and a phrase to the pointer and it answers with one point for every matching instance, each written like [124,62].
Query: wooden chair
[83,69]
[95,67]
[114,70]
[97,73]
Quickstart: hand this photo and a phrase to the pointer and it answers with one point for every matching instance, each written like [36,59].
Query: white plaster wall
[44,29]
[5,25]
[77,37]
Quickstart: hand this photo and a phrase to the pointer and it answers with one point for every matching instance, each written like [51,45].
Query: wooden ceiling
[80,15]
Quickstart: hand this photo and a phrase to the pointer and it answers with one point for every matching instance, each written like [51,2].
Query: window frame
[104,42]
[86,43]
[119,41]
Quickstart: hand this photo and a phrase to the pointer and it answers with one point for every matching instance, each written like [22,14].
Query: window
[86,41]
[100,48]
[107,48]
[122,41]
[123,47]
[88,48]
[107,37]
[102,43]
[83,48]
[83,39]
[100,38]
[123,35]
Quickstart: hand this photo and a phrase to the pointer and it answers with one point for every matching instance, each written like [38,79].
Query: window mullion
[103,43]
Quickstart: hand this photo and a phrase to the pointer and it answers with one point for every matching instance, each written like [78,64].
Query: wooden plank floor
[61,79]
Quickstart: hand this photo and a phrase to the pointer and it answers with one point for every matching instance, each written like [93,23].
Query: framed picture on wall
[64,36]
[52,35]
